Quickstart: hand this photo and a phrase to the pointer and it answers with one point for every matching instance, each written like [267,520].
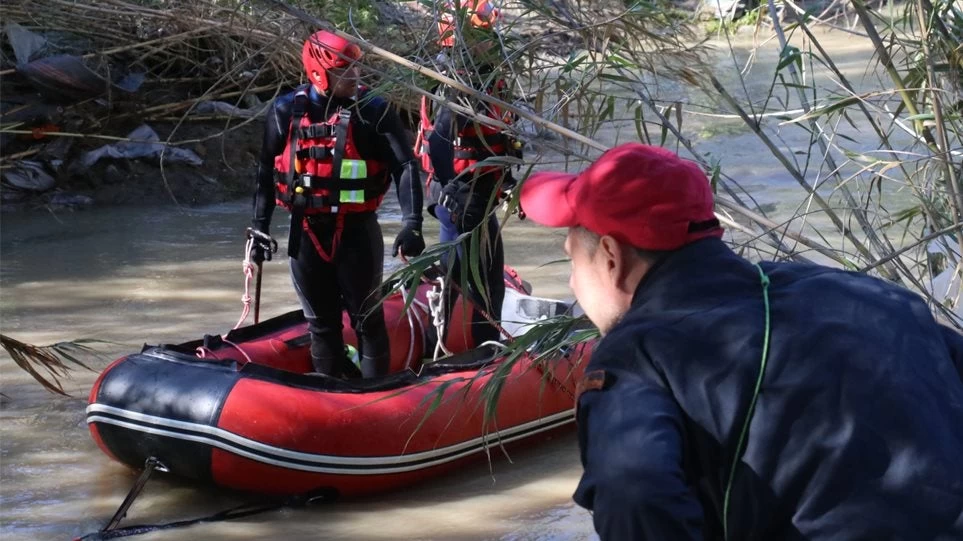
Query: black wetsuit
[351,278]
[446,127]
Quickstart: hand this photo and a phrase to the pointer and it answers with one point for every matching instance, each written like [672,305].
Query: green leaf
[789,55]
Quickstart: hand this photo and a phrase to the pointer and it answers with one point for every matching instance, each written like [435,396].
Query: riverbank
[171,70]
[226,172]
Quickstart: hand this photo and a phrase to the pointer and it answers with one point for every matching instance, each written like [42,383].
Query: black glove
[263,247]
[466,206]
[409,241]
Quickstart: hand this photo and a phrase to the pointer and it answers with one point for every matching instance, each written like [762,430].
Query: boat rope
[249,270]
[436,305]
[110,531]
[150,465]
[454,285]
[411,329]
[413,318]
[484,313]
[202,352]
[421,324]
[237,347]
[240,511]
[435,299]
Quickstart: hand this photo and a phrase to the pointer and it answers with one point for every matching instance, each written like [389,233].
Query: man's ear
[610,251]
[618,263]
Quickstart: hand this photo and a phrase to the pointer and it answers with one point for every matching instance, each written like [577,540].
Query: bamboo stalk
[18,155]
[738,206]
[884,57]
[80,136]
[818,129]
[448,81]
[917,244]
[565,132]
[130,47]
[733,207]
[956,197]
[790,168]
[193,101]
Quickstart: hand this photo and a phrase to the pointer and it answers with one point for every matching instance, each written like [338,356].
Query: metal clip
[306,181]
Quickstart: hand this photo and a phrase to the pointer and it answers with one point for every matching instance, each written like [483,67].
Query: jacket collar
[675,276]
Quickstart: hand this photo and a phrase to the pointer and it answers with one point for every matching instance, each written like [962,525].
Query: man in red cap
[729,400]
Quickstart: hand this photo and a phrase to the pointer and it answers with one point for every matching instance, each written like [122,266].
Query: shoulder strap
[299,110]
[340,140]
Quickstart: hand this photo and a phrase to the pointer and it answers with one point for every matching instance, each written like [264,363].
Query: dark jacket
[378,134]
[858,428]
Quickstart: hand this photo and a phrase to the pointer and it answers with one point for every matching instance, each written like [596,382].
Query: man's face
[343,82]
[590,280]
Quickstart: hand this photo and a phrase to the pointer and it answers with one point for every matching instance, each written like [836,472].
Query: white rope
[415,303]
[437,310]
[249,269]
[237,347]
[411,328]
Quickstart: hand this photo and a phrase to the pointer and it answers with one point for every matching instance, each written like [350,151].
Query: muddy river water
[166,274]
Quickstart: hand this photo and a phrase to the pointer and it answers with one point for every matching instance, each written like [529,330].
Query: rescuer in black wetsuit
[329,155]
[463,192]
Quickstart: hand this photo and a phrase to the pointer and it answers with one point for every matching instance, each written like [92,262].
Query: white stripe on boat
[279,456]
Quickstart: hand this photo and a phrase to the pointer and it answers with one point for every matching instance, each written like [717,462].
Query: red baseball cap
[641,195]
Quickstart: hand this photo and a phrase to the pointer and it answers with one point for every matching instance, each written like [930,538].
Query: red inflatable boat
[241,410]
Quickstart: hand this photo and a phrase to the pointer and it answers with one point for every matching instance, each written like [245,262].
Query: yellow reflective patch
[352,196]
[354,169]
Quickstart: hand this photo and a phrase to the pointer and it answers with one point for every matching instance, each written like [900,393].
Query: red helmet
[323,51]
[480,14]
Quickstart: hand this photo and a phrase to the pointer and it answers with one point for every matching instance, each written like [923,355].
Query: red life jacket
[425,127]
[473,143]
[321,169]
